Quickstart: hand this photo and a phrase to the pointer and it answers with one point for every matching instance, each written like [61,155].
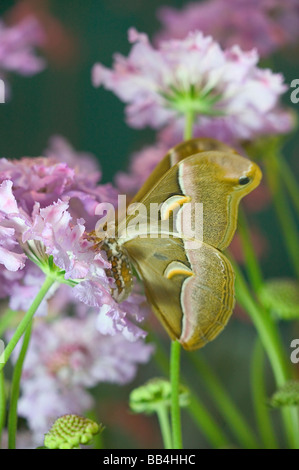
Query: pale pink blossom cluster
[225,89]
[17,47]
[267,25]
[67,357]
[42,205]
[18,44]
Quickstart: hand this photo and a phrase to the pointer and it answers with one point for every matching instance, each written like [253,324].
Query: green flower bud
[154,394]
[281,296]
[287,395]
[69,431]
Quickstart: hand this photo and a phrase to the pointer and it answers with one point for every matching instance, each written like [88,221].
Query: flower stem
[206,424]
[175,383]
[165,426]
[225,404]
[189,120]
[270,339]
[284,214]
[2,404]
[260,398]
[251,263]
[197,410]
[49,281]
[288,179]
[15,390]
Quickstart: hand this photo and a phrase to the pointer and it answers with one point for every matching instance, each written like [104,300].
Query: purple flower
[17,45]
[41,206]
[66,357]
[160,86]
[45,180]
[267,25]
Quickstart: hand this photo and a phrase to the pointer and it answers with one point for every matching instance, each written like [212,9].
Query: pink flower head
[65,174]
[66,357]
[195,75]
[41,206]
[17,47]
[266,25]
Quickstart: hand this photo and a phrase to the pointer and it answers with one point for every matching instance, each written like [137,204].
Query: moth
[188,282]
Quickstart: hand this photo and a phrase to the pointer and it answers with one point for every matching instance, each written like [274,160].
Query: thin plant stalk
[226,406]
[206,424]
[197,410]
[189,121]
[49,281]
[286,221]
[271,341]
[15,390]
[165,428]
[259,396]
[251,262]
[175,345]
[175,405]
[2,405]
[288,178]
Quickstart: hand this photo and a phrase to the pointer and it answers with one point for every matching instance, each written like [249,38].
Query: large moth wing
[190,290]
[209,178]
[177,154]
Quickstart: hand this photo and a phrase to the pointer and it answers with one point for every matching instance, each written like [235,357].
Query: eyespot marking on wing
[175,268]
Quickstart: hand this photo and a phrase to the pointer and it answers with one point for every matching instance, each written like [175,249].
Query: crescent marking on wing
[171,203]
[175,268]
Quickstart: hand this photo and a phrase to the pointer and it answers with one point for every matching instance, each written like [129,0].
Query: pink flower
[17,45]
[66,357]
[223,88]
[66,174]
[267,25]
[86,166]
[40,222]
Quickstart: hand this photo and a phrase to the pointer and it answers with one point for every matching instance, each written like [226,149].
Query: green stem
[15,390]
[284,214]
[210,428]
[260,398]
[163,418]
[225,404]
[189,121]
[2,405]
[252,265]
[270,339]
[197,410]
[175,384]
[288,179]
[49,281]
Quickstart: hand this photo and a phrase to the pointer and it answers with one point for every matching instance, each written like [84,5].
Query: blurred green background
[61,100]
